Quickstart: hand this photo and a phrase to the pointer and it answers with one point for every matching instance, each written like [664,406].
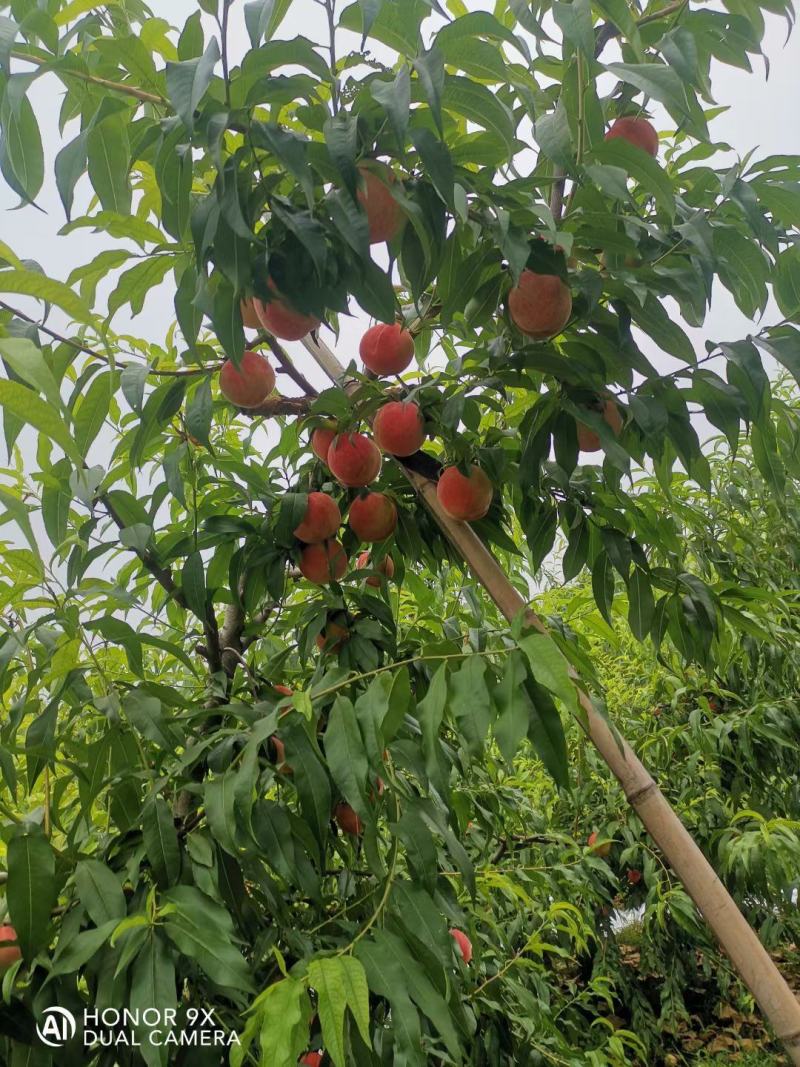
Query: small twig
[112,86]
[186,372]
[223,31]
[330,9]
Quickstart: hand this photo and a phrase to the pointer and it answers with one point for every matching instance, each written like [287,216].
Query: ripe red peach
[540,305]
[249,384]
[9,954]
[385,567]
[602,850]
[384,215]
[463,944]
[637,131]
[347,820]
[333,636]
[589,439]
[386,348]
[323,563]
[321,441]
[399,428]
[372,517]
[312,1059]
[464,498]
[354,459]
[321,520]
[280,319]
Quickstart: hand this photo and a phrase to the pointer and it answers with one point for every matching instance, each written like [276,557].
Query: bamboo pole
[736,937]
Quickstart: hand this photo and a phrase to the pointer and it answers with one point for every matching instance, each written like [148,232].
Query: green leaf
[31,891]
[513,706]
[93,409]
[574,19]
[81,948]
[479,105]
[437,161]
[550,668]
[21,153]
[374,291]
[641,606]
[603,584]
[472,706]
[257,15]
[69,165]
[553,136]
[203,930]
[109,153]
[31,283]
[396,25]
[22,402]
[193,584]
[27,361]
[641,167]
[430,71]
[134,284]
[345,754]
[99,891]
[187,82]
[395,98]
[422,920]
[220,795]
[546,733]
[341,140]
[161,842]
[153,986]
[430,712]
[393,972]
[742,267]
[657,80]
[340,983]
[786,284]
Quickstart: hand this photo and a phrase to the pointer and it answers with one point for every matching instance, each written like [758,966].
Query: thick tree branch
[285,362]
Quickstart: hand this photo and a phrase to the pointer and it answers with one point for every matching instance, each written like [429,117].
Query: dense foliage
[177,832]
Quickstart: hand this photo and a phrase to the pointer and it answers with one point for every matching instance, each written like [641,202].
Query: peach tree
[246,681]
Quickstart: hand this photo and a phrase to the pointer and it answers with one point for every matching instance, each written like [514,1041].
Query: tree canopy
[225,785]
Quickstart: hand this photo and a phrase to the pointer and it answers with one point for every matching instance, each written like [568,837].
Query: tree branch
[285,362]
[105,83]
[607,32]
[176,373]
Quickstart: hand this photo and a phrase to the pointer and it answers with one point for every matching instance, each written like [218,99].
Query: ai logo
[57,1028]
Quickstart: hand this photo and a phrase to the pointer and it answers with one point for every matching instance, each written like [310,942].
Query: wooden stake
[737,938]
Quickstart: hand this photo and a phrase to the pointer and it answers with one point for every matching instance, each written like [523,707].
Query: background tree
[226,786]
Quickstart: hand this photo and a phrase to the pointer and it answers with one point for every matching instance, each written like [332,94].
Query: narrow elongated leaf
[22,402]
[99,892]
[345,753]
[92,410]
[187,82]
[109,152]
[31,283]
[31,890]
[340,983]
[153,986]
[161,842]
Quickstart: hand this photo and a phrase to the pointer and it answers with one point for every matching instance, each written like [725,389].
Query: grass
[748,1059]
